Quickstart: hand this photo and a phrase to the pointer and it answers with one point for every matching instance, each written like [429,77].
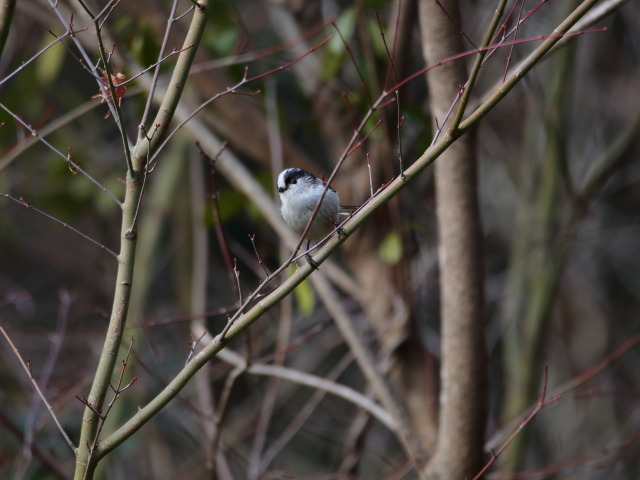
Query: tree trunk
[462,418]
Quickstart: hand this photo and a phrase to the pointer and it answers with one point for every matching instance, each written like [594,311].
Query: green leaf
[390,250]
[49,65]
[304,297]
[335,52]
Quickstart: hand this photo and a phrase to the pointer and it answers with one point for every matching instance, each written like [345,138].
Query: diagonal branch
[86,460]
[246,319]
[27,368]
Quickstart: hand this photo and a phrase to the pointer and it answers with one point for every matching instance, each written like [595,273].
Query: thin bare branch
[542,403]
[35,385]
[117,391]
[66,299]
[52,464]
[24,203]
[66,158]
[86,459]
[27,62]
[156,73]
[584,463]
[233,90]
[245,317]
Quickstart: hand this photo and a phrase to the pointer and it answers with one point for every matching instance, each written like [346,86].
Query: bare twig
[367,364]
[66,157]
[301,417]
[234,89]
[24,203]
[391,71]
[542,403]
[214,195]
[117,391]
[252,238]
[477,65]
[245,316]
[35,385]
[440,125]
[193,344]
[221,410]
[313,381]
[244,58]
[27,62]
[66,299]
[156,64]
[46,130]
[156,73]
[271,392]
[548,41]
[106,11]
[363,83]
[370,175]
[597,367]
[110,91]
[586,462]
[455,23]
[515,36]
[52,464]
[86,459]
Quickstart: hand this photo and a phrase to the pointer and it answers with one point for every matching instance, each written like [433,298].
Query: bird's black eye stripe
[293,175]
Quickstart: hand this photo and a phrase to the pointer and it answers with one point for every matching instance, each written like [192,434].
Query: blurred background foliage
[560,193]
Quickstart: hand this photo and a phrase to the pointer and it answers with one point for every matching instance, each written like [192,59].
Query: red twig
[383,104]
[455,23]
[234,90]
[542,403]
[515,37]
[243,58]
[392,70]
[593,370]
[573,464]
[214,194]
[296,342]
[292,62]
[488,48]
[185,318]
[106,11]
[252,238]
[347,47]
[350,110]
[359,144]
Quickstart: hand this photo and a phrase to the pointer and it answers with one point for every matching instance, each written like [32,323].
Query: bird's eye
[293,181]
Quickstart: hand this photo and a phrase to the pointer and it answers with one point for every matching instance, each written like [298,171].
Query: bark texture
[462,401]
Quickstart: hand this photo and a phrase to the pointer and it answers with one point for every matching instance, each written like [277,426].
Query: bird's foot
[311,261]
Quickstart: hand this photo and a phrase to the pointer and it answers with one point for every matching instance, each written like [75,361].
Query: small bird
[299,193]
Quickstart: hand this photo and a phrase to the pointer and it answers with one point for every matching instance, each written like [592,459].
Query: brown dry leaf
[117,81]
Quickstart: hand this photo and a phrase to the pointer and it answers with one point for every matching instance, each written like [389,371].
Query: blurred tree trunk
[540,247]
[462,417]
